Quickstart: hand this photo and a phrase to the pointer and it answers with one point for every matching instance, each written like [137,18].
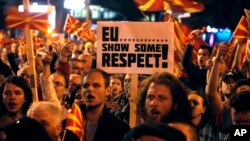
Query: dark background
[217,13]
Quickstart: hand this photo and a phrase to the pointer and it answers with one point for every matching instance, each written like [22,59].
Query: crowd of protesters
[214,96]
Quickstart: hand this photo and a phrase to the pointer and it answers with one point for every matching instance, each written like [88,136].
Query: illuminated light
[184,15]
[153,18]
[214,30]
[227,30]
[74,4]
[95,11]
[211,39]
[204,36]
[209,29]
[223,36]
[169,11]
[50,30]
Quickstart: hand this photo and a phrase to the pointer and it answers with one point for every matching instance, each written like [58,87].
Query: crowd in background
[198,106]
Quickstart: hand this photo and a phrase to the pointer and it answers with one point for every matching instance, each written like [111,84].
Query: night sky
[217,13]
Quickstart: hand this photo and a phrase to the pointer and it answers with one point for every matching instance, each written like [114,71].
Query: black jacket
[110,128]
[197,77]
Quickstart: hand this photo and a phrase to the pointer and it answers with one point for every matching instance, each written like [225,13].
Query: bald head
[87,61]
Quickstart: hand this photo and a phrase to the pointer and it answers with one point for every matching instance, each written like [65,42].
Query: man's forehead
[93,75]
[203,50]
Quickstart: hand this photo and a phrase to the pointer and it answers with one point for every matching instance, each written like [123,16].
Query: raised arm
[213,80]
[49,93]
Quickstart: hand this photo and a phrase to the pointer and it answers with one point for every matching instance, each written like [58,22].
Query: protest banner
[135,48]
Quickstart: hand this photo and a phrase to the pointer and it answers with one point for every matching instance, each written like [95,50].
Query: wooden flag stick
[30,54]
[133,109]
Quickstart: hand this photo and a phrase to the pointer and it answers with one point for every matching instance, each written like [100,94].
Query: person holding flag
[197,73]
[98,123]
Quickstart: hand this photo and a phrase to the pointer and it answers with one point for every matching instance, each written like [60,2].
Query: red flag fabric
[6,41]
[75,121]
[185,6]
[174,5]
[242,30]
[83,29]
[181,33]
[248,50]
[231,52]
[150,5]
[89,35]
[16,19]
[247,13]
[240,36]
[72,25]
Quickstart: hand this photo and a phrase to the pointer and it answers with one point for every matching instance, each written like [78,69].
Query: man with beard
[197,73]
[163,99]
[99,123]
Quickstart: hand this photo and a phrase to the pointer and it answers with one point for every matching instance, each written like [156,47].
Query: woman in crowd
[16,97]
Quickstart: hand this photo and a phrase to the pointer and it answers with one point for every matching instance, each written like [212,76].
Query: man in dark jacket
[100,125]
[197,72]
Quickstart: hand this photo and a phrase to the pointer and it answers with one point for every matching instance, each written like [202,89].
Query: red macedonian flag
[174,5]
[242,30]
[16,19]
[72,25]
[89,35]
[75,121]
[247,13]
[81,30]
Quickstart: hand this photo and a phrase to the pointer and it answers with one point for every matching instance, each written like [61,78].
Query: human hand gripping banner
[135,47]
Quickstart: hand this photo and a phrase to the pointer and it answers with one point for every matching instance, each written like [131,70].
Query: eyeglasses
[58,84]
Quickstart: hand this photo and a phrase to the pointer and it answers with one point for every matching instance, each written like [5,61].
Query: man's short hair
[157,130]
[240,101]
[204,46]
[242,82]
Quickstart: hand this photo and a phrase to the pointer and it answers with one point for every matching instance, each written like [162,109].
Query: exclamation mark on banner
[164,56]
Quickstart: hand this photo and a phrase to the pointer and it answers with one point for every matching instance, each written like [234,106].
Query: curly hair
[178,92]
[23,84]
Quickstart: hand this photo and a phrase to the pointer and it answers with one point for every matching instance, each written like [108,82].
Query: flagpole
[64,134]
[132,102]
[30,53]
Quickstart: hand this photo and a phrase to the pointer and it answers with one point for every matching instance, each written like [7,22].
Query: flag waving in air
[247,13]
[72,25]
[75,121]
[174,5]
[242,30]
[89,35]
[16,19]
[239,36]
